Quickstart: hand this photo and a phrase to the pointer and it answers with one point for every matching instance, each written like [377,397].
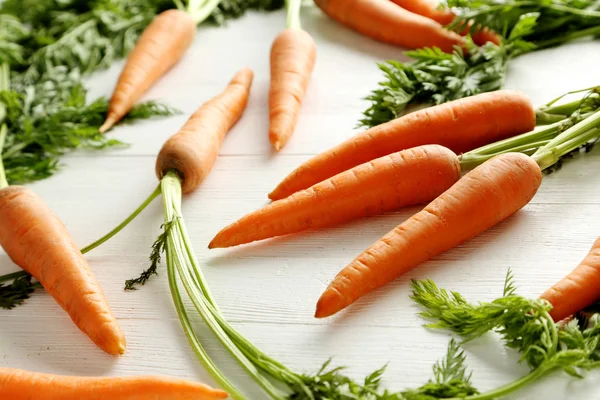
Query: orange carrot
[17,384]
[37,241]
[579,289]
[481,199]
[193,150]
[388,183]
[384,21]
[293,57]
[158,49]
[460,125]
[429,9]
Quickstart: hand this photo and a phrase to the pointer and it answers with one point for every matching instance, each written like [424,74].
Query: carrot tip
[277,145]
[109,123]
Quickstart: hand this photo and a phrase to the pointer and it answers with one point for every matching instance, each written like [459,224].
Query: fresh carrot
[430,10]
[193,150]
[481,199]
[461,125]
[293,57]
[388,183]
[159,48]
[37,241]
[17,384]
[579,289]
[384,21]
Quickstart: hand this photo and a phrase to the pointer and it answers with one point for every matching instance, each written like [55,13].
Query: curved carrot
[384,21]
[37,241]
[293,57]
[430,10]
[481,199]
[24,385]
[193,150]
[158,49]
[460,125]
[579,289]
[388,183]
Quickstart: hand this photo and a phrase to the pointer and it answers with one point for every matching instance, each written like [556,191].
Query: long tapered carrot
[460,125]
[159,48]
[293,57]
[193,150]
[17,384]
[429,9]
[384,21]
[37,241]
[579,289]
[481,199]
[388,183]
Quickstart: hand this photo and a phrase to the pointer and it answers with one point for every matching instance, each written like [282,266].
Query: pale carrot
[37,241]
[17,384]
[481,199]
[384,21]
[193,150]
[159,48]
[460,125]
[429,9]
[412,176]
[579,289]
[293,57]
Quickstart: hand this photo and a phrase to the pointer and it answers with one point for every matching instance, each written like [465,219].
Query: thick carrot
[429,9]
[481,199]
[388,183]
[293,57]
[384,21]
[579,289]
[193,150]
[37,241]
[158,49]
[461,125]
[17,384]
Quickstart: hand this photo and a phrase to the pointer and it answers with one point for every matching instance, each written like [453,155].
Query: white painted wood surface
[269,290]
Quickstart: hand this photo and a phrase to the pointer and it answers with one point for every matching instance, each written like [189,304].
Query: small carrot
[579,289]
[159,48]
[37,241]
[193,150]
[17,384]
[293,57]
[460,125]
[429,9]
[384,21]
[481,199]
[388,183]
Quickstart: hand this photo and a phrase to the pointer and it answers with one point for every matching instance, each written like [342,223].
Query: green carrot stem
[3,181]
[200,10]
[564,109]
[594,30]
[293,14]
[511,387]
[470,161]
[4,85]
[123,224]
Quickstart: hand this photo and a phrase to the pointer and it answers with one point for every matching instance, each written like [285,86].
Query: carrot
[293,57]
[481,199]
[460,125]
[429,9]
[37,241]
[158,49]
[579,289]
[193,150]
[384,21]
[17,384]
[388,183]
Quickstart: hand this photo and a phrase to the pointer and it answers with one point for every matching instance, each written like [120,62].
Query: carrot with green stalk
[484,197]
[293,57]
[38,242]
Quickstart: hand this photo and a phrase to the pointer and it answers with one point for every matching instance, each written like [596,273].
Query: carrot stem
[293,14]
[4,85]
[123,224]
[3,181]
[592,31]
[200,10]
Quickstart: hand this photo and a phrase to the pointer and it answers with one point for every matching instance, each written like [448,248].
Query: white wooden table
[268,290]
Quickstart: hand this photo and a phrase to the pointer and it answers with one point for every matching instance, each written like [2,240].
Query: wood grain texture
[268,290]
